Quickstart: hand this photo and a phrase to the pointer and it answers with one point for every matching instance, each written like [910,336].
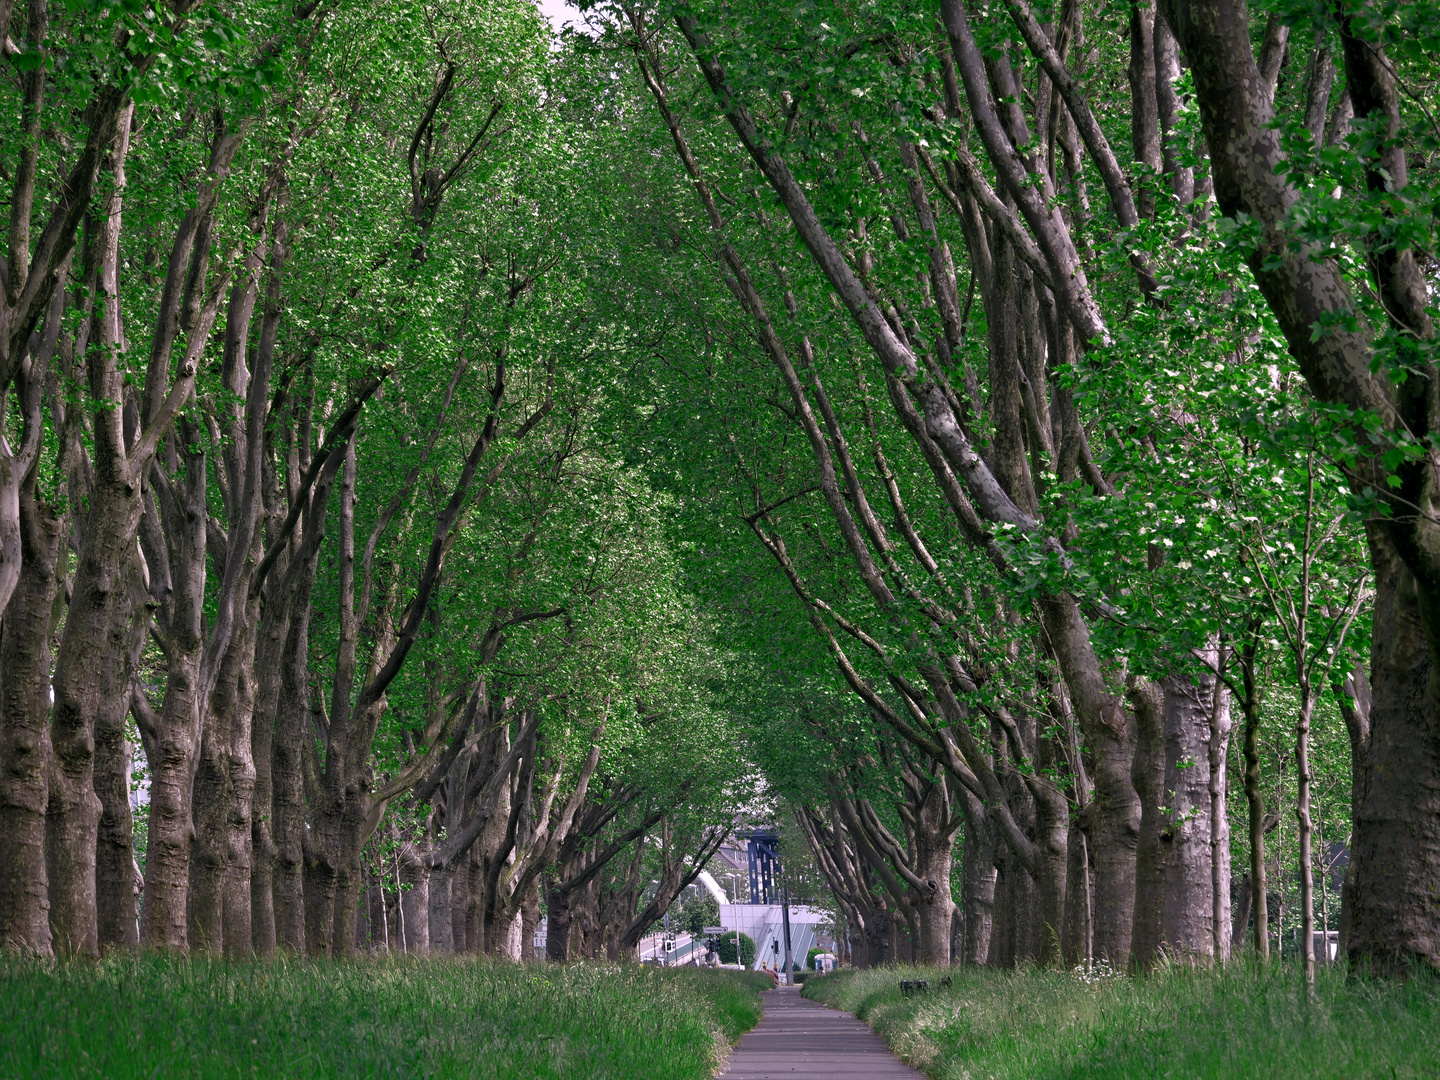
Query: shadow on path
[799,1039]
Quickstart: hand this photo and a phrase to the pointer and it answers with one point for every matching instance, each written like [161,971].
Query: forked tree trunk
[1115,813]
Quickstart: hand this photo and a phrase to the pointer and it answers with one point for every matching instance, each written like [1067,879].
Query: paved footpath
[798,1039]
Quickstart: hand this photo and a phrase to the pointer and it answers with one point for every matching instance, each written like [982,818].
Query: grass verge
[152,1018]
[1244,1022]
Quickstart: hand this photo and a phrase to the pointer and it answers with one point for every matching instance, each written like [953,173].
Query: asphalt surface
[798,1039]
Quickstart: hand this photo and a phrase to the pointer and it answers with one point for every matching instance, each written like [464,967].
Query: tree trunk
[529,921]
[442,925]
[1187,929]
[115,910]
[1002,934]
[209,853]
[1255,802]
[348,885]
[1115,812]
[1220,725]
[558,918]
[1302,817]
[321,877]
[1052,849]
[1149,780]
[274,620]
[459,905]
[1394,877]
[475,942]
[1144,114]
[287,774]
[1075,931]
[73,822]
[1241,910]
[238,929]
[164,921]
[935,908]
[379,939]
[980,878]
[25,736]
[415,899]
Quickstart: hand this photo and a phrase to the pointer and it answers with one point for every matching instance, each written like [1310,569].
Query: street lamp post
[735,902]
[785,901]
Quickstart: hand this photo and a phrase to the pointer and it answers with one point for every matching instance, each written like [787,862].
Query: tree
[725,948]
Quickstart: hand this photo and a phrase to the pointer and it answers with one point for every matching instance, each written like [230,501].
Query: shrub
[725,946]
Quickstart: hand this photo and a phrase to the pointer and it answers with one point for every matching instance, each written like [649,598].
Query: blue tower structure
[764,856]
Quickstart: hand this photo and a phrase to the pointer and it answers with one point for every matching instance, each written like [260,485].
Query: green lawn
[1246,1023]
[153,1018]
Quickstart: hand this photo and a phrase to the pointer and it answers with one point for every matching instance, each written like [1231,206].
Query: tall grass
[1245,1022]
[150,1018]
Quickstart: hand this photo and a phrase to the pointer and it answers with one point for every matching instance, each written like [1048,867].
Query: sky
[557,11]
